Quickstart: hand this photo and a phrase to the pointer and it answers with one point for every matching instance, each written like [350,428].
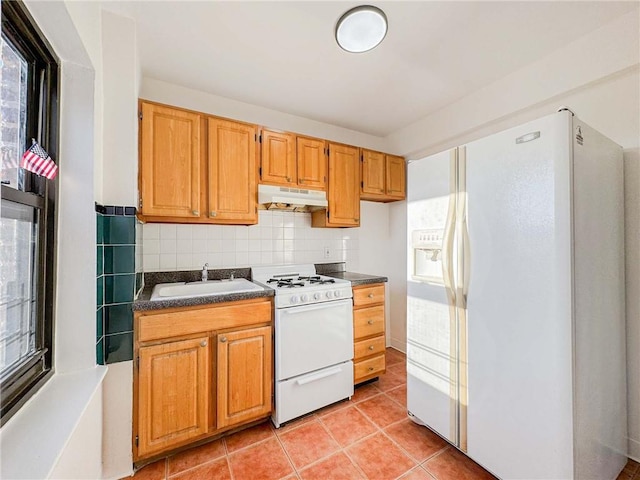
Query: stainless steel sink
[169,291]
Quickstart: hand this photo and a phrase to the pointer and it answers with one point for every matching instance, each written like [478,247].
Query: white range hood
[288,198]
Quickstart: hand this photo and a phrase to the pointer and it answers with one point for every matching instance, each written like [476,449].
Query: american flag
[37,160]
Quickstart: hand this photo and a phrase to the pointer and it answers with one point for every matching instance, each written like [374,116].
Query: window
[29,109]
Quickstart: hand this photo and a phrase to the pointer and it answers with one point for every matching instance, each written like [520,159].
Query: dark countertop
[357,279]
[144,300]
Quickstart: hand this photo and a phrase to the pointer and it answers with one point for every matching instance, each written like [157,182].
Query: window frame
[38,192]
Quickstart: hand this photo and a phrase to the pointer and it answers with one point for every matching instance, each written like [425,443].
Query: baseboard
[633,449]
[398,345]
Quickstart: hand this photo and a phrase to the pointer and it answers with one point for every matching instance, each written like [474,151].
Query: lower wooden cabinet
[368,332]
[190,385]
[244,375]
[174,383]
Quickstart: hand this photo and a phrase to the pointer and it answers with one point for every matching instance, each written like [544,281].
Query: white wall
[597,76]
[632,252]
[46,430]
[117,400]
[120,122]
[171,94]
[87,18]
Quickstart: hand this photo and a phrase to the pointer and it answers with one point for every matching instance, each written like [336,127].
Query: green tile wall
[116,282]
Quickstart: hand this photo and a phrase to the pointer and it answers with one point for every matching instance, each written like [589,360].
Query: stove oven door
[311,337]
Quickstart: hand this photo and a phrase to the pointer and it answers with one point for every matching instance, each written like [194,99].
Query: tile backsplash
[279,237]
[118,277]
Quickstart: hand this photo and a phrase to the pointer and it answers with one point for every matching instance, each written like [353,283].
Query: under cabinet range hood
[288,198]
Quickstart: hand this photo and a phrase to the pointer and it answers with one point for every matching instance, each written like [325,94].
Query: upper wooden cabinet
[382,177]
[292,161]
[196,169]
[233,186]
[312,163]
[170,162]
[343,190]
[278,158]
[396,182]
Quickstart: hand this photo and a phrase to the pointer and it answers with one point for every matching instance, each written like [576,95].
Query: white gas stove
[313,338]
[300,285]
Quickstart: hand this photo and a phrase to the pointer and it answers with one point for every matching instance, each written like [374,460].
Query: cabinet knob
[223,339]
[382,190]
[213,214]
[288,179]
[301,180]
[370,295]
[370,347]
[371,369]
[196,212]
[203,343]
[370,322]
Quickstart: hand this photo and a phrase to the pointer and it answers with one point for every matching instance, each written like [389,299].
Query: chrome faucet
[205,274]
[231,277]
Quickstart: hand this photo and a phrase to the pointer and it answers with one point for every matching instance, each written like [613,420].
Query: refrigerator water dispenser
[426,246]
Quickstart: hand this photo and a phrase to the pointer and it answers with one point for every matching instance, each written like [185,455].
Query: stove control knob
[304,297]
[294,299]
[336,293]
[329,294]
[316,296]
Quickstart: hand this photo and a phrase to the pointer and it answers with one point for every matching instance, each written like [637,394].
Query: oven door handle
[316,306]
[319,375]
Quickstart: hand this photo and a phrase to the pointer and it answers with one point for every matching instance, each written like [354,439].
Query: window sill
[33,440]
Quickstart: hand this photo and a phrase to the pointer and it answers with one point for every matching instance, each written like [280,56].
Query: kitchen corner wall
[279,237]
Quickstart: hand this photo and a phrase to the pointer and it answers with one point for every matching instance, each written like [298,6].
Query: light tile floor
[367,437]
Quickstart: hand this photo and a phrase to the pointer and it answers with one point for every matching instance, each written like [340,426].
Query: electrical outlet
[327,253]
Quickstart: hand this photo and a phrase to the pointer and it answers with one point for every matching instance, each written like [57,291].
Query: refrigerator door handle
[447,240]
[466,262]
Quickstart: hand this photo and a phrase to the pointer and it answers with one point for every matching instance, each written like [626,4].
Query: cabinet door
[244,375]
[233,185]
[170,162]
[173,393]
[312,163]
[344,186]
[373,173]
[278,158]
[396,183]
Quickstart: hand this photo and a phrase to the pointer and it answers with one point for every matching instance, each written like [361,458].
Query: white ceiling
[282,55]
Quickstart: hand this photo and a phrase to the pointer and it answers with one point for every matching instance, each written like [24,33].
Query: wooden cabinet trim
[368,295]
[369,368]
[189,398]
[244,363]
[368,347]
[160,325]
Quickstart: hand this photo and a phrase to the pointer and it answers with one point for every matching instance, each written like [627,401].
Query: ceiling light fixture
[361,29]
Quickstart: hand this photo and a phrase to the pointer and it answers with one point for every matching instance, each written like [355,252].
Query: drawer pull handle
[370,295]
[319,375]
[370,322]
[370,347]
[371,369]
[223,339]
[203,343]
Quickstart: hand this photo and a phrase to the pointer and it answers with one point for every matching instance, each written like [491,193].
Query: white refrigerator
[515,300]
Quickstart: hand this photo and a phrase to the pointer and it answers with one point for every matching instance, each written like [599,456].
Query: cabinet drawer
[366,348]
[158,325]
[368,322]
[369,368]
[368,295]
